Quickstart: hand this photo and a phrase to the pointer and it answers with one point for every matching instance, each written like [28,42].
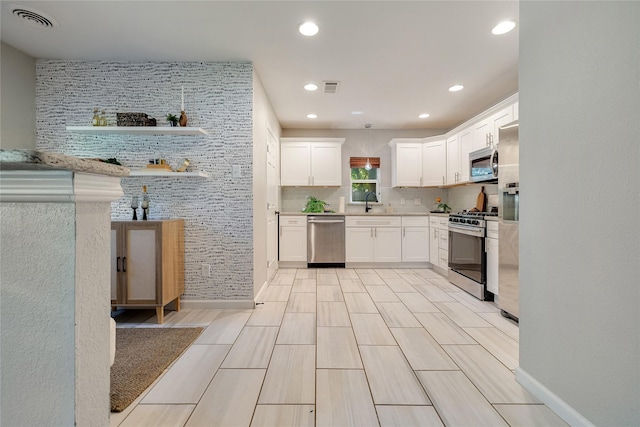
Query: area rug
[142,354]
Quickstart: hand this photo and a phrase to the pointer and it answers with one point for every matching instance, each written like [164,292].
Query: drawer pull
[118,264]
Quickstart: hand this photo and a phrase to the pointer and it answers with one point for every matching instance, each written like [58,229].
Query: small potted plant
[171,118]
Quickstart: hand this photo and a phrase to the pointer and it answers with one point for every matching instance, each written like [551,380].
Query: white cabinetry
[293,238]
[458,149]
[406,162]
[373,239]
[434,161]
[439,241]
[308,162]
[415,239]
[491,247]
[482,131]
[499,119]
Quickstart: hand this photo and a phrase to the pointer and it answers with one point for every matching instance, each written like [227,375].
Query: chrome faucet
[367,208]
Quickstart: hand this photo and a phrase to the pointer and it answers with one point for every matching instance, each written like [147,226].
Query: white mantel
[54,274]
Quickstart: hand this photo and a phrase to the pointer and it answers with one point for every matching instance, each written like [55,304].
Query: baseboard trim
[549,398]
[263,288]
[228,304]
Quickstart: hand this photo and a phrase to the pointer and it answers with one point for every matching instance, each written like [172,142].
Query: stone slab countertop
[42,160]
[366,214]
[491,218]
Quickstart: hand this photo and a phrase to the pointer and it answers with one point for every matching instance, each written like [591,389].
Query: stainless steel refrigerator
[508,218]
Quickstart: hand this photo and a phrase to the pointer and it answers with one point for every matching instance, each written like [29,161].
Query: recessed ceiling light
[310,86]
[455,88]
[423,116]
[312,116]
[308,29]
[503,27]
[357,113]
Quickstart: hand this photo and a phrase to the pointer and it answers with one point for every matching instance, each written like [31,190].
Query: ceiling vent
[33,17]
[331,87]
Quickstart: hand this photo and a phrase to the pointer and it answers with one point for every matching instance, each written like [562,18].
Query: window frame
[365,181]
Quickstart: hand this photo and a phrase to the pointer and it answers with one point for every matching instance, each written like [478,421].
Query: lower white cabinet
[491,247]
[415,239]
[293,238]
[373,239]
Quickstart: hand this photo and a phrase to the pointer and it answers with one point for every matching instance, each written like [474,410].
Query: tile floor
[344,347]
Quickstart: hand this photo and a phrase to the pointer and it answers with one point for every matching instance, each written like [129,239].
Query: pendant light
[367,165]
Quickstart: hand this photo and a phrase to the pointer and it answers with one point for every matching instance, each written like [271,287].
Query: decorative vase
[183,119]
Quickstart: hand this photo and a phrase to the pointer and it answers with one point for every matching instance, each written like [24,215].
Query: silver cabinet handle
[371,231]
[281,230]
[404,231]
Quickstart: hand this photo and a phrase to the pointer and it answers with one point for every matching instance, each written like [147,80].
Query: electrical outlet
[402,201]
[417,201]
[206,270]
[236,171]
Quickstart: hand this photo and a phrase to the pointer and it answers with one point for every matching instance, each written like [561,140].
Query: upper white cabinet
[311,162]
[406,162]
[458,149]
[417,162]
[434,162]
[499,119]
[482,133]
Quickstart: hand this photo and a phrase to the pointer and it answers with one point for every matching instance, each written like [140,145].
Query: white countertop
[367,214]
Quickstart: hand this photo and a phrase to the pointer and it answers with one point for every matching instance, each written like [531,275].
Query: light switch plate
[402,201]
[236,171]
[417,201]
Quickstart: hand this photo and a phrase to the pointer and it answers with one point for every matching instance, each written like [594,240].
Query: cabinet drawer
[443,222]
[492,229]
[293,221]
[415,221]
[381,221]
[433,221]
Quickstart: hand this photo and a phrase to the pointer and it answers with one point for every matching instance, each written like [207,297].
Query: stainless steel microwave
[483,165]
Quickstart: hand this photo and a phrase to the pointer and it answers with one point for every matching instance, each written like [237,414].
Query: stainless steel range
[467,257]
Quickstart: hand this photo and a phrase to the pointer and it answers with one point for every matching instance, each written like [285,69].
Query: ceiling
[394,59]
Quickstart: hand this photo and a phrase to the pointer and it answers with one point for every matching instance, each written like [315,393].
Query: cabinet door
[433,246]
[326,164]
[141,264]
[501,118]
[415,244]
[491,246]
[434,163]
[388,244]
[453,159]
[293,243]
[481,134]
[408,167]
[443,262]
[358,244]
[466,142]
[295,163]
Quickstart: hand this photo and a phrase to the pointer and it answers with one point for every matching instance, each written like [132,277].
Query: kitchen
[542,268]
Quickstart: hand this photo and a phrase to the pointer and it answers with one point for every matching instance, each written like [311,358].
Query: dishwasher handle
[326,221]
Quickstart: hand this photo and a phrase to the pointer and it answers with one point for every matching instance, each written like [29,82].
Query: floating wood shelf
[151,172]
[137,130]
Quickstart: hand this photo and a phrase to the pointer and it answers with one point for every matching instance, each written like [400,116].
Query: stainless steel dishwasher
[325,241]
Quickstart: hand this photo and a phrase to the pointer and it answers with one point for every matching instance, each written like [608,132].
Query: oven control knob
[476,222]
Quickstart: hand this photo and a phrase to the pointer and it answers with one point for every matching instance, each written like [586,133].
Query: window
[365,181]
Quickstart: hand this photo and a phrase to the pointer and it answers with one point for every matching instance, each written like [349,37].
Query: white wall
[18,103]
[37,358]
[580,188]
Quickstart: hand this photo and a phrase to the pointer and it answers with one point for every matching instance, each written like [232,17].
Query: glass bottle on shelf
[96,119]
[145,203]
[103,119]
